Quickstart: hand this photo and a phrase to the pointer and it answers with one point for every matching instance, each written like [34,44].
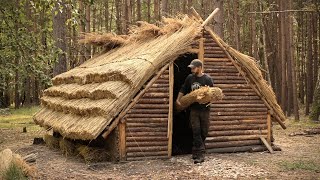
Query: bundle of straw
[202,95]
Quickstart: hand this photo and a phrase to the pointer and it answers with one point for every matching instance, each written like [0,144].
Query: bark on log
[232,144]
[226,118]
[234,138]
[236,132]
[238,127]
[151,106]
[146,139]
[150,124]
[147,120]
[147,149]
[143,154]
[148,111]
[144,134]
[147,115]
[156,95]
[147,158]
[153,101]
[147,129]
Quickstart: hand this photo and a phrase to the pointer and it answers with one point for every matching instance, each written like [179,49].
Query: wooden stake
[170,116]
[269,128]
[201,49]
[210,17]
[122,141]
[133,102]
[264,141]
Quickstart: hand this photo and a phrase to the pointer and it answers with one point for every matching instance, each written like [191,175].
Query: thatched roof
[83,101]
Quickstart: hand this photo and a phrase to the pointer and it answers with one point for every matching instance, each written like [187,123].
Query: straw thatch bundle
[84,100]
[107,40]
[92,155]
[203,95]
[143,31]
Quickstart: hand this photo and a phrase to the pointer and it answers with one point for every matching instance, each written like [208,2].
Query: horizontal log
[236,90]
[264,148]
[147,158]
[214,74]
[217,59]
[232,86]
[237,149]
[243,117]
[234,112]
[231,144]
[227,78]
[213,66]
[145,154]
[249,93]
[214,55]
[147,129]
[147,139]
[151,106]
[147,149]
[153,101]
[238,122]
[148,111]
[146,143]
[147,115]
[238,109]
[238,102]
[215,70]
[147,120]
[234,138]
[161,81]
[156,95]
[211,44]
[164,76]
[236,132]
[143,134]
[218,81]
[261,106]
[214,51]
[150,124]
[156,85]
[242,98]
[211,48]
[158,90]
[238,127]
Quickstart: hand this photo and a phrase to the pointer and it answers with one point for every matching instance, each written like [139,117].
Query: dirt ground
[299,159]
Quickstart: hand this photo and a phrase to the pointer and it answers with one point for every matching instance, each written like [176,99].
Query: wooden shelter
[129,92]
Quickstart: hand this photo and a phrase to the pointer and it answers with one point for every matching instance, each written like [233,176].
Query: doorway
[182,133]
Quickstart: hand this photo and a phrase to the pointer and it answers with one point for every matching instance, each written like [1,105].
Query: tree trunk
[309,68]
[59,34]
[315,109]
[138,10]
[218,18]
[283,58]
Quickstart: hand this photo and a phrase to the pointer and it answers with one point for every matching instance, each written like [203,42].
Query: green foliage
[14,172]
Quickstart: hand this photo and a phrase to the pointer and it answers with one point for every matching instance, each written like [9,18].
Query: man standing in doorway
[199,113]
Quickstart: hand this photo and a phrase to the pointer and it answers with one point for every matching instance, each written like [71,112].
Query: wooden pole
[133,102]
[269,127]
[201,49]
[122,141]
[210,17]
[170,115]
[264,141]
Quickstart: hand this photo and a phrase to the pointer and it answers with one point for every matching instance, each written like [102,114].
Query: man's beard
[195,73]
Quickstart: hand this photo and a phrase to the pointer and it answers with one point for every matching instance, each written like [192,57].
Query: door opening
[182,133]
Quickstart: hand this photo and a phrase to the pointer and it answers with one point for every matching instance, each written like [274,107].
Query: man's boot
[199,158]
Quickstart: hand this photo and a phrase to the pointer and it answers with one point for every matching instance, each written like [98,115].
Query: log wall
[147,123]
[241,117]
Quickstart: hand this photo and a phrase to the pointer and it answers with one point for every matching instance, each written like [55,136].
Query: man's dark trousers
[199,119]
